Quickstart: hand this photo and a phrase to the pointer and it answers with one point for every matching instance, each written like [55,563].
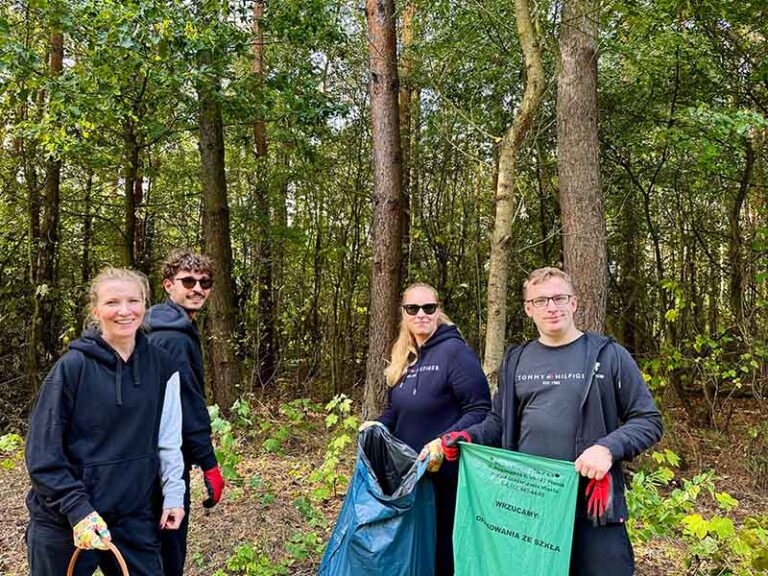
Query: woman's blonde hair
[105,275]
[405,351]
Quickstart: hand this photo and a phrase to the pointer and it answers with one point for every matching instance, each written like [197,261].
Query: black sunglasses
[188,282]
[413,309]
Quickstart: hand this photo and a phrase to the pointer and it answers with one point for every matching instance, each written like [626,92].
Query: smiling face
[119,309]
[191,299]
[554,322]
[421,324]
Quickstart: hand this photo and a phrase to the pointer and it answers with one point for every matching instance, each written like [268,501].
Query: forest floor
[269,523]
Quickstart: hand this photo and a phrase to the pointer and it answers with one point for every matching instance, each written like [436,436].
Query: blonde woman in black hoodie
[104,434]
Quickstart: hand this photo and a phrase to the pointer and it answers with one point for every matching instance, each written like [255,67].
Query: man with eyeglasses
[573,396]
[188,281]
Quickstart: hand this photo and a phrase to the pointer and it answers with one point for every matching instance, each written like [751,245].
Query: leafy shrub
[225,444]
[11,450]
[344,430]
[714,546]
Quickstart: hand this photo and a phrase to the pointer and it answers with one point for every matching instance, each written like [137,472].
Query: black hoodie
[173,331]
[93,434]
[444,390]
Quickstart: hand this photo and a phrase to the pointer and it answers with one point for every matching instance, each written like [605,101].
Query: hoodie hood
[444,332]
[92,345]
[171,316]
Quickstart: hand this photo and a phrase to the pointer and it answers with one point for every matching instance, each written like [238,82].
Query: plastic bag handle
[112,547]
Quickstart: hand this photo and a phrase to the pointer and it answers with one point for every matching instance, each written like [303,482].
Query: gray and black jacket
[617,411]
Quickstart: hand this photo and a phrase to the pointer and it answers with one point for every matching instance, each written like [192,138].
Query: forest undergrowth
[697,507]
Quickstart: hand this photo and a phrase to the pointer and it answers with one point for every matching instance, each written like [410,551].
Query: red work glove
[214,483]
[599,495]
[451,444]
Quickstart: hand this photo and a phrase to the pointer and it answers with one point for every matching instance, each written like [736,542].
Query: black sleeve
[470,386]
[489,431]
[53,475]
[389,416]
[195,422]
[641,422]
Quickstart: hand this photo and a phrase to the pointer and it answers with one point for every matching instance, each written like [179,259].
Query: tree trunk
[265,351]
[406,100]
[387,212]
[224,378]
[45,316]
[735,249]
[498,276]
[130,172]
[581,200]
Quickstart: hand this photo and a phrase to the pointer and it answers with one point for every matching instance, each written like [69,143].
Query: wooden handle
[112,547]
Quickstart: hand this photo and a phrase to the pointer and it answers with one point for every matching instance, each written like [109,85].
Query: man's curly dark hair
[186,259]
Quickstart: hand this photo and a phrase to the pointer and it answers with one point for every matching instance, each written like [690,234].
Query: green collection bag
[514,514]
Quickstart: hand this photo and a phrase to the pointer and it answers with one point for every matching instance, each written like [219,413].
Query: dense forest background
[244,128]
[328,152]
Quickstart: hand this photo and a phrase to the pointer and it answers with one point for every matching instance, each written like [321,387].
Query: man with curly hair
[188,281]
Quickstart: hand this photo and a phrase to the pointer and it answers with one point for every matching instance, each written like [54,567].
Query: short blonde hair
[107,274]
[542,275]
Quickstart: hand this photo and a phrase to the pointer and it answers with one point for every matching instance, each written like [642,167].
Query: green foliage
[714,545]
[263,489]
[11,450]
[343,425]
[225,444]
[250,560]
[652,513]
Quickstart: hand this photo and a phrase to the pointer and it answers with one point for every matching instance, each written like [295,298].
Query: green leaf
[671,315]
[695,525]
[726,501]
[723,527]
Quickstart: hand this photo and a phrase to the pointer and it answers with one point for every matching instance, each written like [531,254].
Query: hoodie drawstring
[119,382]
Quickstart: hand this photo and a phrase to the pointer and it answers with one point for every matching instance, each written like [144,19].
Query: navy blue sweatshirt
[174,331]
[617,411]
[93,434]
[444,390]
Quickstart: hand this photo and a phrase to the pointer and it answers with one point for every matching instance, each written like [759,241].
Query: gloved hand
[451,443]
[88,533]
[434,451]
[214,484]
[368,424]
[599,495]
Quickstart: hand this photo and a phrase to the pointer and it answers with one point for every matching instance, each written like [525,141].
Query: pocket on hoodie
[122,486]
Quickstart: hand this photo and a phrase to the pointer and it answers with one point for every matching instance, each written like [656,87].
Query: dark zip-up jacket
[173,330]
[617,411]
[98,435]
[444,390]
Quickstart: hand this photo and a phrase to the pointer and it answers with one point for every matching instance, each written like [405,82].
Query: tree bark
[581,200]
[45,315]
[224,378]
[265,350]
[498,276]
[130,172]
[406,101]
[387,213]
[735,248]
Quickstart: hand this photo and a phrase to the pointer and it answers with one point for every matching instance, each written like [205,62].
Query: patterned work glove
[433,451]
[89,532]
[599,499]
[214,484]
[451,443]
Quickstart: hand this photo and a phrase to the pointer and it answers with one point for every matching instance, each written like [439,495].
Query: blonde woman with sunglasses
[436,385]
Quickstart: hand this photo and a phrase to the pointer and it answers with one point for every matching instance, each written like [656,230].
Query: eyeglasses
[413,309]
[188,282]
[557,300]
